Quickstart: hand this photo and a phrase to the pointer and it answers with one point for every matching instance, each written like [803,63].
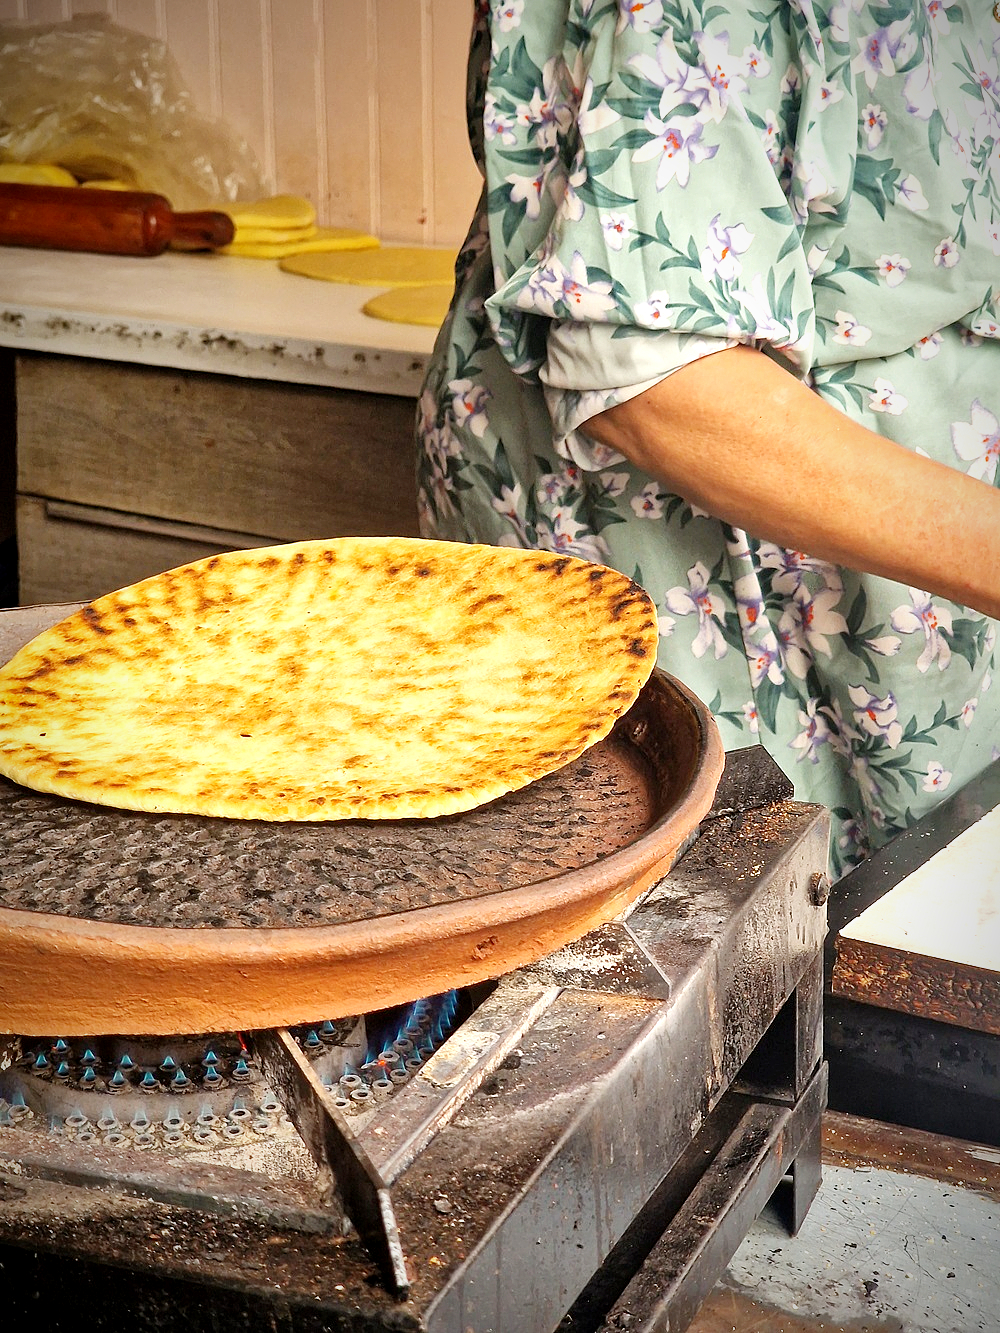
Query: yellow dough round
[34,173]
[388,266]
[412,305]
[318,240]
[279,210]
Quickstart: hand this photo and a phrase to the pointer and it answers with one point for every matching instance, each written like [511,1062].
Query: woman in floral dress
[732,295]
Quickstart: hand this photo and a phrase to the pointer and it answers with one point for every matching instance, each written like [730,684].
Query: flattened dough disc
[388,266]
[255,243]
[412,305]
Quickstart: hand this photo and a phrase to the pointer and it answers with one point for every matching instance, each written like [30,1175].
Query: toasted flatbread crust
[374,678]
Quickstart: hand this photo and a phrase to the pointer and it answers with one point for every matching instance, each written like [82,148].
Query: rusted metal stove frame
[594,1143]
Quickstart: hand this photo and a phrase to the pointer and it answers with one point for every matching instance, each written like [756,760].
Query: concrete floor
[903,1237]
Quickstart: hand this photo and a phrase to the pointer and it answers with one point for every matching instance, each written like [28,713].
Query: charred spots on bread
[93,619]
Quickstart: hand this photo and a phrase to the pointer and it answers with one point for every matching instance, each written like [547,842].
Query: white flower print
[678,146]
[508,504]
[555,486]
[884,398]
[977,441]
[883,50]
[548,113]
[969,711]
[639,15]
[876,717]
[649,502]
[791,80]
[616,228]
[571,205]
[771,138]
[920,91]
[937,14]
[665,625]
[829,93]
[938,777]
[793,565]
[993,236]
[808,621]
[725,74]
[757,304]
[811,191]
[528,190]
[708,606]
[815,257]
[509,15]
[749,603]
[933,620]
[947,253]
[815,732]
[886,645]
[911,194]
[498,124]
[654,313]
[750,718]
[961,145]
[468,403]
[721,256]
[764,661]
[589,118]
[874,121]
[849,331]
[893,268]
[755,63]
[614,484]
[929,347]
[555,284]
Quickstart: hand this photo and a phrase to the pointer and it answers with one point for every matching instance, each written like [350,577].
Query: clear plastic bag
[103,101]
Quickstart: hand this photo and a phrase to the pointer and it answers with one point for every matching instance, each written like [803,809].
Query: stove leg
[807,1173]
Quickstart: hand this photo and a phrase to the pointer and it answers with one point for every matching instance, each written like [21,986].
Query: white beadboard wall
[357,104]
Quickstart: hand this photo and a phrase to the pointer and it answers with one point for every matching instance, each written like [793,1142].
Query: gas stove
[577,1069]
[580,1144]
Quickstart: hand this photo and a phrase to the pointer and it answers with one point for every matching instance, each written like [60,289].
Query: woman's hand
[744,440]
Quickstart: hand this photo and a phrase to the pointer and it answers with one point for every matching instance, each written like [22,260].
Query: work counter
[174,406]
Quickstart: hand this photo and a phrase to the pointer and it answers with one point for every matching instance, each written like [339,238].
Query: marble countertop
[206,312]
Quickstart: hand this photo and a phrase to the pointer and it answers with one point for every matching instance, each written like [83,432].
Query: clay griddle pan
[130,922]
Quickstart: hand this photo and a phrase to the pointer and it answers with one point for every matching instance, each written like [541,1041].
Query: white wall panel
[356,104]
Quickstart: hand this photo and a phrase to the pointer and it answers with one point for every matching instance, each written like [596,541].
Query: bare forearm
[741,438]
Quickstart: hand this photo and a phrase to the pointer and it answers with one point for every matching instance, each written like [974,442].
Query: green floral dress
[668,178]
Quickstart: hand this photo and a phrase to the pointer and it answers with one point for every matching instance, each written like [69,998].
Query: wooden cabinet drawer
[70,552]
[287,461]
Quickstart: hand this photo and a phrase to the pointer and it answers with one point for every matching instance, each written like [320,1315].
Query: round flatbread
[412,305]
[369,678]
[388,266]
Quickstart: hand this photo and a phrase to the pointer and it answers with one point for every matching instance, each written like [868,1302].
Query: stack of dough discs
[361,677]
[388,266]
[285,224]
[35,173]
[426,305]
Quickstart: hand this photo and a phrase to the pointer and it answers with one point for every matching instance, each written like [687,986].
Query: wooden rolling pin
[109,222]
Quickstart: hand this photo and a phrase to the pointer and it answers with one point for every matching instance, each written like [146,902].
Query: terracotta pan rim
[185,952]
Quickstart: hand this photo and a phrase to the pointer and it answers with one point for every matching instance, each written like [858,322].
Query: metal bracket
[336,1150]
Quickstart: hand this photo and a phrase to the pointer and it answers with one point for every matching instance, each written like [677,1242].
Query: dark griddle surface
[73,859]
